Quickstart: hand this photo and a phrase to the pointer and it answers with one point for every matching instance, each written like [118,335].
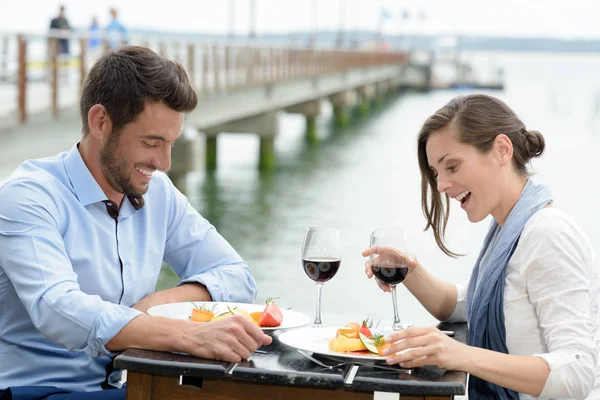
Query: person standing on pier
[94,41]
[84,235]
[60,25]
[116,34]
[532,301]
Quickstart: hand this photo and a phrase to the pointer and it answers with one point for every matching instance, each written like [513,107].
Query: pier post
[365,106]
[185,158]
[54,67]
[393,85]
[4,58]
[342,102]
[311,128]
[191,65]
[381,91]
[211,151]
[341,115]
[366,93]
[265,125]
[266,159]
[310,110]
[83,43]
[22,77]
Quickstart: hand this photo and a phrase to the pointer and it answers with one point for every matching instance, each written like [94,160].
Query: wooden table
[280,374]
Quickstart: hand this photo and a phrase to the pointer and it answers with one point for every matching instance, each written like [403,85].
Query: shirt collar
[84,184]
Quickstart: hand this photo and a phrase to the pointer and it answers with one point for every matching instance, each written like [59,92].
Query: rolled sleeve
[571,372]
[558,272]
[227,283]
[107,326]
[198,253]
[42,275]
[460,310]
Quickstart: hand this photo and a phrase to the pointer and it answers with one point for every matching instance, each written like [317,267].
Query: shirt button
[577,356]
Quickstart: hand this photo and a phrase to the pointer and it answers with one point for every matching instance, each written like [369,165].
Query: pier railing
[42,78]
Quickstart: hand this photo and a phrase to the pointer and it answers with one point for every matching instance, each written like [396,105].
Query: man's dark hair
[125,80]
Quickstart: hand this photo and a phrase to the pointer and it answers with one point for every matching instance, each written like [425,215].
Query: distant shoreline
[413,41]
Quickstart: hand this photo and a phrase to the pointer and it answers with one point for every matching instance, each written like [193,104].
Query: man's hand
[231,339]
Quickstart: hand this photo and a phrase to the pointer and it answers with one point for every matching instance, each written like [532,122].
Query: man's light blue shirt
[69,272]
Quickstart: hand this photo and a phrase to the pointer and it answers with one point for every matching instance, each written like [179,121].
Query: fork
[341,364]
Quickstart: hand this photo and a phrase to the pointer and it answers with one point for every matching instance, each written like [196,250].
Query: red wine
[321,269]
[392,275]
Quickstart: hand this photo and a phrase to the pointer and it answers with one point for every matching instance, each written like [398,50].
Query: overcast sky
[545,18]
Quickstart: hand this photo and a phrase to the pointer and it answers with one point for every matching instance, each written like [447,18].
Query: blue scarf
[485,302]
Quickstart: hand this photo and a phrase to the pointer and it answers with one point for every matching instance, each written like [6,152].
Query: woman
[532,298]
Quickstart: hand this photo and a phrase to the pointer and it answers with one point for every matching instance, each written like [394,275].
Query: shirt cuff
[557,360]
[460,310]
[218,291]
[558,379]
[107,326]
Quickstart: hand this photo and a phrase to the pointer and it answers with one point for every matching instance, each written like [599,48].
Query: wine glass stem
[317,322]
[397,323]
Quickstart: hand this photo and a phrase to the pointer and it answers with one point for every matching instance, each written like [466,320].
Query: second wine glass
[321,259]
[390,266]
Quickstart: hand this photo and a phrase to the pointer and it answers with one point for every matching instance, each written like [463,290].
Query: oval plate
[291,319]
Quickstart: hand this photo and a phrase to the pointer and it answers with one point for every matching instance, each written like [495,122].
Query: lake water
[366,177]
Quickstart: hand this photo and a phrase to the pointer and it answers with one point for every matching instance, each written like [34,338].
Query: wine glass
[391,266]
[321,258]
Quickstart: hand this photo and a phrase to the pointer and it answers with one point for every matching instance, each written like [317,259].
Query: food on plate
[270,317]
[199,315]
[346,331]
[365,327]
[358,338]
[233,311]
[343,344]
[354,326]
[256,315]
[202,313]
[346,339]
[380,344]
[367,341]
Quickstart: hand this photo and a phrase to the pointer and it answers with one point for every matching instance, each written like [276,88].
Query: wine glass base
[400,326]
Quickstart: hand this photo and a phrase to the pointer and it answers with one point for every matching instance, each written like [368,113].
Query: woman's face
[465,174]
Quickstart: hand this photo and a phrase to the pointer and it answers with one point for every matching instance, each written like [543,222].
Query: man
[116,34]
[94,41]
[60,25]
[83,235]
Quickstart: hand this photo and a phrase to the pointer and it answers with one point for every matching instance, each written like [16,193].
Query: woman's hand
[426,345]
[388,253]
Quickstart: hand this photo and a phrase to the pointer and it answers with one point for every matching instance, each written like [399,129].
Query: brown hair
[124,80]
[478,119]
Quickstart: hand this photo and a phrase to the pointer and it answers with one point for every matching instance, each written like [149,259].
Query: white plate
[291,319]
[316,340]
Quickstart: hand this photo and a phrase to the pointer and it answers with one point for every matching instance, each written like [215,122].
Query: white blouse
[551,300]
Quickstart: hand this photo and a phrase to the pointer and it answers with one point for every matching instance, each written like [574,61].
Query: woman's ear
[99,122]
[504,149]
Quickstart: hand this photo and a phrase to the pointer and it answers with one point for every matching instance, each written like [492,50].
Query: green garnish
[378,340]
